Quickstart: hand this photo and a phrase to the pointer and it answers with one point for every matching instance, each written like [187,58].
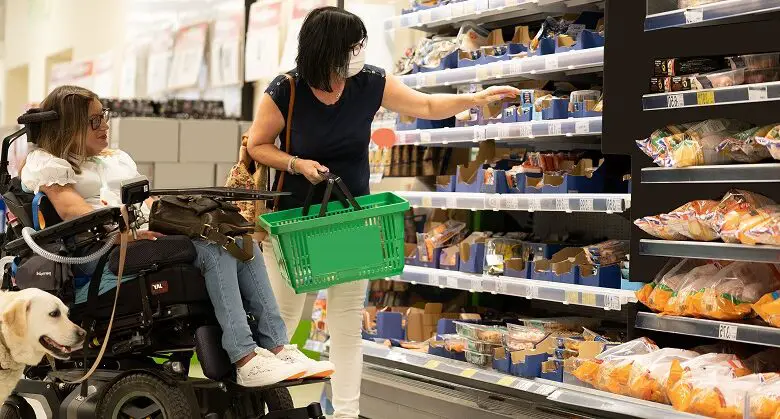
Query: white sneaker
[266,369]
[314,369]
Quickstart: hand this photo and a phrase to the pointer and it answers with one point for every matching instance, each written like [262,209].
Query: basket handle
[342,193]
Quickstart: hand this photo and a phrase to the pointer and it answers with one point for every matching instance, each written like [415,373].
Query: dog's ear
[15,317]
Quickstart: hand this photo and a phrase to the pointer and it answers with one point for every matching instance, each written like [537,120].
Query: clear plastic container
[454,343]
[476,358]
[561,323]
[486,348]
[754,61]
[735,78]
[583,95]
[489,334]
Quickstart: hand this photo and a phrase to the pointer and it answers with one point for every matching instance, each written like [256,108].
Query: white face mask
[356,63]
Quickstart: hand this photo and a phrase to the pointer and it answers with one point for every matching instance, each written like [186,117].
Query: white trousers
[344,316]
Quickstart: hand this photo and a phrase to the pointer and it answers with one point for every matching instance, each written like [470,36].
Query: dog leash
[124,238]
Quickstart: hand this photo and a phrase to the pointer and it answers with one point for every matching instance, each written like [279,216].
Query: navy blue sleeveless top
[336,136]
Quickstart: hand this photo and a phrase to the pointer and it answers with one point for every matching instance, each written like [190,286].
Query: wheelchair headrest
[32,120]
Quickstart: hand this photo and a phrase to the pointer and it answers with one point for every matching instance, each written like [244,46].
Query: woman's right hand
[311,169]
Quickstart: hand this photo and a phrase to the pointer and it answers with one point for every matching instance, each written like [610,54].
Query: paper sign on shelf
[103,75]
[188,53]
[128,83]
[225,54]
[159,63]
[262,40]
[300,8]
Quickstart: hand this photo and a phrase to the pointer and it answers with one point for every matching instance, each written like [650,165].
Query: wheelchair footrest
[312,411]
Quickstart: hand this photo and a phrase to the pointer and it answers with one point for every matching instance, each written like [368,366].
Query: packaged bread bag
[656,294]
[658,227]
[768,308]
[730,293]
[650,372]
[764,402]
[687,220]
[761,228]
[681,302]
[735,206]
[724,397]
[683,379]
[610,370]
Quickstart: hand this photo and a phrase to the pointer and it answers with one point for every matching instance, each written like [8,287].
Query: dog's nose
[81,333]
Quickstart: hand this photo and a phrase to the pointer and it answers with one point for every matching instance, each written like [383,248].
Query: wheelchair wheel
[143,396]
[277,399]
[8,412]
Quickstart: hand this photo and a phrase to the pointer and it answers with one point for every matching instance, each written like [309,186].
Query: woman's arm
[401,98]
[268,124]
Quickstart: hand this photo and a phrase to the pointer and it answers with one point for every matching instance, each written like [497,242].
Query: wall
[37,29]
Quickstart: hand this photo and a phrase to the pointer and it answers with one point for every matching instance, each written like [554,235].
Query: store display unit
[572,202]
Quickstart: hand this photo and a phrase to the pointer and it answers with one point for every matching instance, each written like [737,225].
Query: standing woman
[336,97]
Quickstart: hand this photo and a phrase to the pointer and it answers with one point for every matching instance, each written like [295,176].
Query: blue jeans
[236,287]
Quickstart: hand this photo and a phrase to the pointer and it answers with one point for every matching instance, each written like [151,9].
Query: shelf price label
[506,381]
[551,62]
[468,372]
[432,364]
[534,204]
[705,98]
[727,331]
[572,297]
[545,389]
[479,133]
[400,138]
[614,205]
[503,130]
[493,202]
[533,292]
[582,127]
[612,302]
[425,137]
[419,80]
[452,283]
[452,202]
[526,130]
[427,202]
[524,385]
[562,204]
[586,204]
[675,101]
[554,128]
[483,72]
[694,15]
[500,287]
[515,67]
[756,93]
[430,79]
[476,285]
[588,299]
[509,202]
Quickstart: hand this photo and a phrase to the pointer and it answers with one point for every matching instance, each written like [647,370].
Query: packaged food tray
[489,334]
[486,348]
[476,358]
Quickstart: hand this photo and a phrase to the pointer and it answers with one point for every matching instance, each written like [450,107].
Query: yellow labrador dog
[33,323]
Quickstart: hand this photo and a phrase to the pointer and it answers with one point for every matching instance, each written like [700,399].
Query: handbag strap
[228,243]
[287,135]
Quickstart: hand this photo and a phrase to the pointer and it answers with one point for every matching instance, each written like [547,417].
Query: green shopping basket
[354,239]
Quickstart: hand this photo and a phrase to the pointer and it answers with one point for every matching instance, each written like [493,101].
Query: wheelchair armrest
[222,193]
[67,229]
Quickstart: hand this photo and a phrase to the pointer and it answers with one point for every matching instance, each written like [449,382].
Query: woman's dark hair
[325,45]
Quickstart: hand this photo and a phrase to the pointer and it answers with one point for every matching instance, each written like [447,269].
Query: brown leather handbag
[249,174]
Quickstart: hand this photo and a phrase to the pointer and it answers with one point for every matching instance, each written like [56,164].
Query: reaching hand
[311,169]
[494,94]
[148,235]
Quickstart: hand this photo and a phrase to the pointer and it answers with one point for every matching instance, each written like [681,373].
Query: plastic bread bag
[701,142]
[743,147]
[681,303]
[723,397]
[686,220]
[656,226]
[687,379]
[656,295]
[737,204]
[732,291]
[607,253]
[768,308]
[772,143]
[657,146]
[761,228]
[610,369]
[764,402]
[649,373]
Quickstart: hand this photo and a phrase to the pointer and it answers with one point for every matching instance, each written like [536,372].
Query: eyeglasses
[95,121]
[358,47]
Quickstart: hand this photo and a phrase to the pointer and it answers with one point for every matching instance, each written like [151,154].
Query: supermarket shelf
[466,374]
[757,92]
[606,298]
[607,203]
[738,332]
[502,71]
[710,13]
[479,11]
[757,173]
[710,250]
[557,128]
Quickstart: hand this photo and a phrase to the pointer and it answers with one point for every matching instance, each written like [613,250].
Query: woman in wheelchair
[73,166]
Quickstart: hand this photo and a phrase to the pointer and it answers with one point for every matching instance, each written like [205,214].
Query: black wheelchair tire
[171,400]
[8,412]
[277,399]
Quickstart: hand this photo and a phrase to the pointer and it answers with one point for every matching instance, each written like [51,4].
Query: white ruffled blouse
[98,183]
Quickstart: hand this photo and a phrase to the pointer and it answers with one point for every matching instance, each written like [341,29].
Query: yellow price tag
[705,98]
[572,297]
[588,299]
[427,202]
[432,364]
[507,381]
[468,372]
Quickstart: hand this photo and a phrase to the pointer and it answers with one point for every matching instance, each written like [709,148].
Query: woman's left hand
[148,235]
[494,94]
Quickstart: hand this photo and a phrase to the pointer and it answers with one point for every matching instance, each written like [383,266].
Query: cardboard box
[148,140]
[212,141]
[183,175]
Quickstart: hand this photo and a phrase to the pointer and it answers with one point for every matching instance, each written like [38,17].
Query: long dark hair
[325,45]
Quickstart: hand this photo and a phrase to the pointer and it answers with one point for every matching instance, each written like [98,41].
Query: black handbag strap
[342,193]
[244,254]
